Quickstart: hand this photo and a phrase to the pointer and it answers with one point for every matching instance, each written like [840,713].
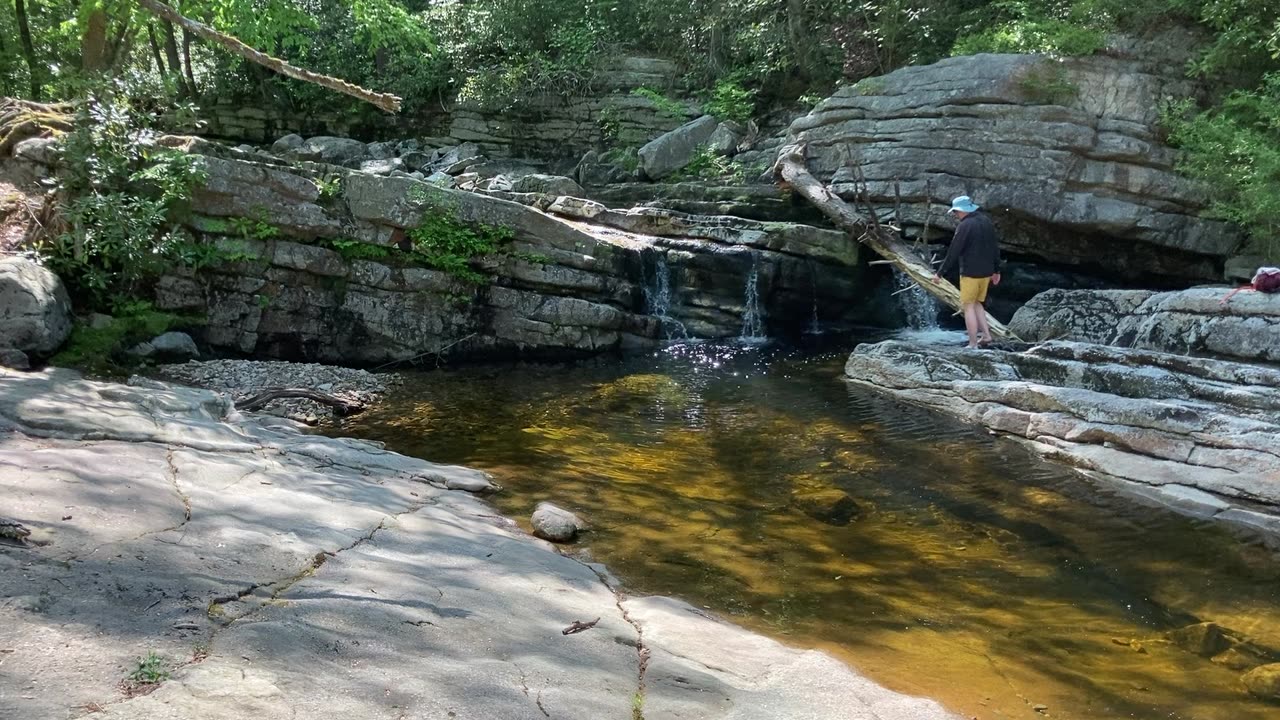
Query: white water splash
[919,306]
[657,300]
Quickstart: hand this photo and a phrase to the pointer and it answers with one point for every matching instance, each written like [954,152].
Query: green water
[933,557]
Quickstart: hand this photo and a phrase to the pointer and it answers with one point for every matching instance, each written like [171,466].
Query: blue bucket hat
[962,204]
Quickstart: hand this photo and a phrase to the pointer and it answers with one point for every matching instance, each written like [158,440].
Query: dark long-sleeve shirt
[975,247]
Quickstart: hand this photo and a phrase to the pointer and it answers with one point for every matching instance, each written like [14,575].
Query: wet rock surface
[275,574]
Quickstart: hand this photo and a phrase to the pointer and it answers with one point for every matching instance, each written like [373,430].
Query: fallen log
[384,101]
[341,408]
[792,170]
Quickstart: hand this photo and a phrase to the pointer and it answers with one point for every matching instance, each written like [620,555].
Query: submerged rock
[828,505]
[1204,639]
[554,523]
[1264,681]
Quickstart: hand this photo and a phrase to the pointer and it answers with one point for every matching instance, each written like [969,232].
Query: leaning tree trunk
[790,168]
[385,101]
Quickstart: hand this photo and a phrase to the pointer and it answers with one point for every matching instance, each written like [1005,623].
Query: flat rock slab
[1205,429]
[286,575]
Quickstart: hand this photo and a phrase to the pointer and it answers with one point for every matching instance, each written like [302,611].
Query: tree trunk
[790,169]
[121,45]
[186,61]
[385,101]
[28,50]
[171,54]
[93,44]
[155,49]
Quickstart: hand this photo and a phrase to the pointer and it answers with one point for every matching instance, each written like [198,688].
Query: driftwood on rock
[341,408]
[791,169]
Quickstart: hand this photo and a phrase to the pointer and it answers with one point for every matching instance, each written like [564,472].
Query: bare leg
[971,323]
[980,316]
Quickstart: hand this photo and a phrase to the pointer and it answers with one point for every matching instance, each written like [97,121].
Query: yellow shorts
[973,290]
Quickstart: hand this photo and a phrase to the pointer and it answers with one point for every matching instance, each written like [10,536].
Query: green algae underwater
[931,556]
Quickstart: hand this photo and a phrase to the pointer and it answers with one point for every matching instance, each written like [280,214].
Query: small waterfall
[815,327]
[657,299]
[919,306]
[752,314]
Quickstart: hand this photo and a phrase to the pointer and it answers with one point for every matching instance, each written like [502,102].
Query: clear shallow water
[970,570]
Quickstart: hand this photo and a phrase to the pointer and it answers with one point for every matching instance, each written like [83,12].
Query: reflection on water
[934,558]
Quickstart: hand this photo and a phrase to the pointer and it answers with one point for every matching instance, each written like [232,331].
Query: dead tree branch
[792,170]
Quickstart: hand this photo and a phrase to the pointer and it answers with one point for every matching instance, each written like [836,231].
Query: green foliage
[1245,43]
[664,104]
[151,670]
[729,100]
[609,119]
[706,163]
[1234,150]
[253,228]
[99,351]
[199,254]
[1023,26]
[123,198]
[329,187]
[447,244]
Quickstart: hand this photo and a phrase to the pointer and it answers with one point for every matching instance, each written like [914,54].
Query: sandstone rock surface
[1154,420]
[1065,153]
[277,575]
[1245,327]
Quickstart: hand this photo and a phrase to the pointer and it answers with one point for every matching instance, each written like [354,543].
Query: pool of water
[931,556]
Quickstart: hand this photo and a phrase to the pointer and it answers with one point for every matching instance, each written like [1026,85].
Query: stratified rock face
[35,312]
[575,278]
[1064,154]
[1199,429]
[1246,326]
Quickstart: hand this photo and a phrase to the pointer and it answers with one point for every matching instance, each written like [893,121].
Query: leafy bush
[1235,151]
[122,197]
[447,244]
[1022,27]
[664,104]
[729,100]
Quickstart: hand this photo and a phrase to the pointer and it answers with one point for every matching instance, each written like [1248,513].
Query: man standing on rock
[975,247]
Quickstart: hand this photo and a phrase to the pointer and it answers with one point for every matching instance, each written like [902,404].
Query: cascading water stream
[752,313]
[919,306]
[657,300]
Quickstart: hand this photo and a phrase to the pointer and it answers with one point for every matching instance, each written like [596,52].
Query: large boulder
[1067,155]
[673,150]
[1196,321]
[332,150]
[35,311]
[548,185]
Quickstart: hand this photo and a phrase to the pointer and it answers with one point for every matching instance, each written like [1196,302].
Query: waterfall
[919,306]
[752,314]
[815,327]
[657,298]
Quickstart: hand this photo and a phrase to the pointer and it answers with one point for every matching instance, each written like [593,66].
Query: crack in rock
[642,652]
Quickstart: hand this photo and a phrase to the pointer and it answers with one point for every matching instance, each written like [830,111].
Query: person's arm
[995,243]
[958,242]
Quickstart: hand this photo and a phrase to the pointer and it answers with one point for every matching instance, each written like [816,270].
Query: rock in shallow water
[556,524]
[1264,681]
[829,505]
